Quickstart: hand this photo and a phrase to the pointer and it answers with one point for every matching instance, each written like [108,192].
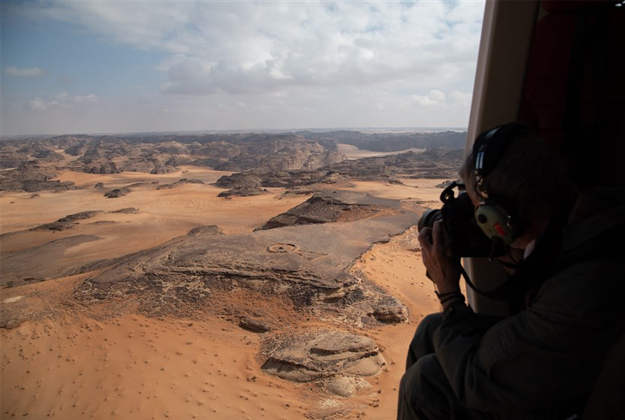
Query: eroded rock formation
[288,159]
[332,206]
[433,163]
[296,262]
[156,154]
[324,354]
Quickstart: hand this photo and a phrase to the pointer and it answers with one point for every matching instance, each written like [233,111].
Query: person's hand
[443,270]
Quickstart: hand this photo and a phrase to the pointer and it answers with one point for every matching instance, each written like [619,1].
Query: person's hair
[529,175]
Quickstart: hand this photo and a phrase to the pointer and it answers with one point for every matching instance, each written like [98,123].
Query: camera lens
[428,218]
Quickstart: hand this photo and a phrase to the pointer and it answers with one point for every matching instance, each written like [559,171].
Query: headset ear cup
[495,222]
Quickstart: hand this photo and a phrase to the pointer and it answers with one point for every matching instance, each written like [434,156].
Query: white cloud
[30,72]
[269,64]
[36,104]
[262,47]
[461,99]
[61,100]
[435,98]
[86,99]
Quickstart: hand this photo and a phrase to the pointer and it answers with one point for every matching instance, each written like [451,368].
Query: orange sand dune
[71,362]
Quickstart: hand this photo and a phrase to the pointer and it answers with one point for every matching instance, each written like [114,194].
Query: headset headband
[490,146]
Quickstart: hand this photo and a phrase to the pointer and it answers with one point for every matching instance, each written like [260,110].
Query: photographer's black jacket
[552,351]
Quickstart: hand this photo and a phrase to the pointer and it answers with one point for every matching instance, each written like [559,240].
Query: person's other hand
[443,270]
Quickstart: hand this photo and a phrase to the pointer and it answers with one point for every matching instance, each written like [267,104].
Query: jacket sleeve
[548,353]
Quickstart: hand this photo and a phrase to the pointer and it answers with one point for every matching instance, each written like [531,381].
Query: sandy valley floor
[71,362]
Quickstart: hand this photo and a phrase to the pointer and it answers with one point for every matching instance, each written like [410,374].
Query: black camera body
[462,237]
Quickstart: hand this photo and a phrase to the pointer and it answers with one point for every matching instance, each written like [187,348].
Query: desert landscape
[213,277]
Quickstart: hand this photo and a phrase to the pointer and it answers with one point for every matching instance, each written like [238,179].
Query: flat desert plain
[69,361]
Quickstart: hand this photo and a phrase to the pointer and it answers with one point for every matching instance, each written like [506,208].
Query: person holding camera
[560,247]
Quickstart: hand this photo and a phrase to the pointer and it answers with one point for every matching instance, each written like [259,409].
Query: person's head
[519,172]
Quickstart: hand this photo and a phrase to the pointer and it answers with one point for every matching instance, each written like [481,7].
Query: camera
[462,237]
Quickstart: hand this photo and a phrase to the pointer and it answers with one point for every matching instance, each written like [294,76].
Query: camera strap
[531,272]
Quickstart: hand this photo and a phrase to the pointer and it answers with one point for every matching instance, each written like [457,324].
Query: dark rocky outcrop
[332,206]
[32,176]
[242,192]
[179,182]
[41,262]
[66,222]
[11,159]
[117,192]
[433,163]
[56,226]
[205,230]
[116,164]
[48,155]
[80,216]
[257,325]
[312,356]
[34,186]
[298,263]
[127,210]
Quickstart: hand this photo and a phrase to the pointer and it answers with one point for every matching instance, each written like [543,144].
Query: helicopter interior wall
[574,91]
[557,65]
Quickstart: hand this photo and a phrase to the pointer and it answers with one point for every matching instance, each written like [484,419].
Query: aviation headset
[494,214]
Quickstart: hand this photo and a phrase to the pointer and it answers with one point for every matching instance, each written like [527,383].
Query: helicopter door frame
[503,57]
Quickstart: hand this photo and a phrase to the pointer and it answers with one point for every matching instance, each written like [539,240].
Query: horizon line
[258,130]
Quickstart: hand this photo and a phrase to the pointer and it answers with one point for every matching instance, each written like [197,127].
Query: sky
[86,66]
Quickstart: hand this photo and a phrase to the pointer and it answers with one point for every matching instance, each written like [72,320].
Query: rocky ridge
[433,163]
[27,161]
[273,159]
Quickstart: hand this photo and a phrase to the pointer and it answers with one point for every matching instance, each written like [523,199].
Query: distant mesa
[281,159]
[255,182]
[434,163]
[48,155]
[391,142]
[32,176]
[11,159]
